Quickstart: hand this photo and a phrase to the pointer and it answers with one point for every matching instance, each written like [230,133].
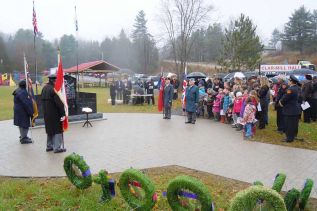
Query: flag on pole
[4,76]
[11,81]
[76,21]
[184,89]
[30,91]
[160,98]
[34,21]
[60,89]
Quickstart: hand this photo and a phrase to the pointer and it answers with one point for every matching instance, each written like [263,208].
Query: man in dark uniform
[149,88]
[54,115]
[168,98]
[291,109]
[192,98]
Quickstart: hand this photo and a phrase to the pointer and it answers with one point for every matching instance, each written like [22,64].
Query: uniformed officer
[291,109]
[168,98]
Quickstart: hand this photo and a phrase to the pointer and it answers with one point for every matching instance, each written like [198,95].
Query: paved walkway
[146,140]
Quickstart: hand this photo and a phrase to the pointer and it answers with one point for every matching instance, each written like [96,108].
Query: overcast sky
[100,18]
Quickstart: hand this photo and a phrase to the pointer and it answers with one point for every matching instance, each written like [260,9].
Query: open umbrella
[196,75]
[239,75]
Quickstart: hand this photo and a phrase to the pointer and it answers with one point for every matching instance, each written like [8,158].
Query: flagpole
[77,48]
[34,46]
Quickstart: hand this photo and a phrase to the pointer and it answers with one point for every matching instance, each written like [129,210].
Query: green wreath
[258,183]
[180,183]
[247,199]
[74,164]
[291,199]
[304,195]
[279,182]
[102,179]
[133,175]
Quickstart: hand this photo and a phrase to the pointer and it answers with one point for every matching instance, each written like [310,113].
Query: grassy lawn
[60,194]
[306,131]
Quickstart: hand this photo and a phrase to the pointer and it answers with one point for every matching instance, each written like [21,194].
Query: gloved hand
[62,118]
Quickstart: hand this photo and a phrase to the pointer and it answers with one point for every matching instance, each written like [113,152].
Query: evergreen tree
[241,47]
[146,53]
[67,46]
[275,38]
[299,31]
[4,59]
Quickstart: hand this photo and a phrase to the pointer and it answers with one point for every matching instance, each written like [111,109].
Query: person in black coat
[23,111]
[113,93]
[291,109]
[280,122]
[307,94]
[54,114]
[262,94]
[119,89]
[314,100]
[168,98]
[175,84]
[149,88]
[127,87]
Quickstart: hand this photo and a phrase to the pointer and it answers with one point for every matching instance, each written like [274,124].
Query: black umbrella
[196,75]
[302,72]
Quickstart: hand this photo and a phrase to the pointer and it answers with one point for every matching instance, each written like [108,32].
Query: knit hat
[239,94]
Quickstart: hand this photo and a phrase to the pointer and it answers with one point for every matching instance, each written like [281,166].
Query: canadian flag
[60,89]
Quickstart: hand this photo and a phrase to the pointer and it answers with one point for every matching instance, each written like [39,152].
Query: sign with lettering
[279,68]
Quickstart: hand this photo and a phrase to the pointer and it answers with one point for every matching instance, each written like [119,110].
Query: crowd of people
[245,103]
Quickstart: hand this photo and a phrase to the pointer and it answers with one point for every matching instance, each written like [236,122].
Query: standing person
[280,122]
[150,90]
[210,101]
[192,99]
[248,118]
[54,115]
[23,111]
[291,109]
[113,93]
[237,105]
[307,94]
[175,84]
[217,85]
[314,100]
[127,87]
[119,89]
[168,98]
[217,104]
[262,94]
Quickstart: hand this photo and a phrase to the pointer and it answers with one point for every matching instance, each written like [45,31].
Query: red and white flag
[34,21]
[160,103]
[184,88]
[60,89]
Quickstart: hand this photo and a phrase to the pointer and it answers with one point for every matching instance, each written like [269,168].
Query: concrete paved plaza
[146,140]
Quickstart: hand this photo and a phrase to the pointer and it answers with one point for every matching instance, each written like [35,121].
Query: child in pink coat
[248,118]
[217,105]
[237,105]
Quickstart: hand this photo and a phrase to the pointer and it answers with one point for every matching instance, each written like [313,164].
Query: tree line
[299,33]
[189,36]
[137,52]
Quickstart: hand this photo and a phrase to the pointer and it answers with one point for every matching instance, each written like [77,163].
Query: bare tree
[180,19]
